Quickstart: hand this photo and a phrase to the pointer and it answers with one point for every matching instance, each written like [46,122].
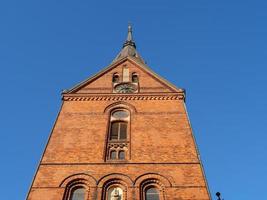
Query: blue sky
[214,49]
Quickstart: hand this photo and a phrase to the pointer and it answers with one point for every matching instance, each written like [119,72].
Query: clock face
[125,88]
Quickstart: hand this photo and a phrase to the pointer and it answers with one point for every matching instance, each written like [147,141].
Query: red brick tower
[122,134]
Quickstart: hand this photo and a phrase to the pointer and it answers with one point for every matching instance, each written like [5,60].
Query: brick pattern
[162,149]
[104,83]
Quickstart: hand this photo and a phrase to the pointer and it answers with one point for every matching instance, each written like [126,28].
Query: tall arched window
[152,193]
[119,120]
[118,136]
[78,194]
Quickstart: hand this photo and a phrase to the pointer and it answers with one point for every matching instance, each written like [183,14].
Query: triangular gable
[106,89]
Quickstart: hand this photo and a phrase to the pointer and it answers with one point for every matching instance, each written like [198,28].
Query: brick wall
[161,145]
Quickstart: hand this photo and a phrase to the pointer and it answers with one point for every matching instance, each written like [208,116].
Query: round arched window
[115,78]
[135,78]
[121,155]
[119,128]
[113,155]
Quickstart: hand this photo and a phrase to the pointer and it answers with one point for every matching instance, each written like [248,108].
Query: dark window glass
[114,131]
[118,131]
[121,155]
[152,194]
[113,155]
[134,78]
[115,78]
[123,130]
[78,194]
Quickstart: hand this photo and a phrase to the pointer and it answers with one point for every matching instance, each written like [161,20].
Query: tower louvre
[121,134]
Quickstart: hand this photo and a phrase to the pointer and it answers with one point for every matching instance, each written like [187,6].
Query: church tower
[122,134]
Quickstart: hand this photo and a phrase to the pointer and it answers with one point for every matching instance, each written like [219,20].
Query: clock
[125,88]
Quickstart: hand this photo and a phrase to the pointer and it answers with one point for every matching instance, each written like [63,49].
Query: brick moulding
[116,97]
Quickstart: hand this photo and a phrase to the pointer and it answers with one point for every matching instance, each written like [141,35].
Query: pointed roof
[113,65]
[128,52]
[129,48]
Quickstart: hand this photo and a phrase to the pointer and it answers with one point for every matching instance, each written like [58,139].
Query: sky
[216,50]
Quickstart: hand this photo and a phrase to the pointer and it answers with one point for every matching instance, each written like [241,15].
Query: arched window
[152,193]
[115,78]
[121,155]
[115,193]
[119,125]
[78,194]
[113,155]
[135,78]
[118,136]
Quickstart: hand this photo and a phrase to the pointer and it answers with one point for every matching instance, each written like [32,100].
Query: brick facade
[160,146]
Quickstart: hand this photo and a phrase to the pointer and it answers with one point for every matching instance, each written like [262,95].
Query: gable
[101,83]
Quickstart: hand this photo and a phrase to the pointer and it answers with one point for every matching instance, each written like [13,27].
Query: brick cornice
[123,97]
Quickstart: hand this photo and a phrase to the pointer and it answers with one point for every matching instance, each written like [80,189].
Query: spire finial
[130,32]
[129,40]
[129,48]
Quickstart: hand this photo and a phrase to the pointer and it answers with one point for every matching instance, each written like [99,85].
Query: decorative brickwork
[159,151]
[123,98]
